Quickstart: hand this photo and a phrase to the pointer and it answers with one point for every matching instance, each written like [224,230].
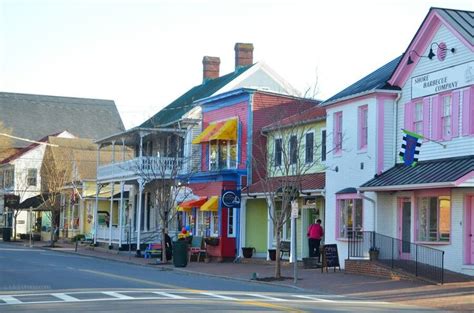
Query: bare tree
[282,164]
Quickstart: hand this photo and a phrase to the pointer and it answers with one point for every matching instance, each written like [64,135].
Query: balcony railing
[146,167]
[413,258]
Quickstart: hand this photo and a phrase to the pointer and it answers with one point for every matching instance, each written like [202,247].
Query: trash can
[7,234]
[180,253]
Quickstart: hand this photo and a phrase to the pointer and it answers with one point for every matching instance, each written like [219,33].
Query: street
[35,280]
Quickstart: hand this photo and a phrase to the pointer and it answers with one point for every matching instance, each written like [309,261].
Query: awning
[211,205]
[438,173]
[224,130]
[188,205]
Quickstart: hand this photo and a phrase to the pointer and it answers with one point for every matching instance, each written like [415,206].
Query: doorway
[469,248]
[404,227]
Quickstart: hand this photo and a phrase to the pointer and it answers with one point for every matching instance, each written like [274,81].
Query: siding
[457,146]
[389,135]
[256,225]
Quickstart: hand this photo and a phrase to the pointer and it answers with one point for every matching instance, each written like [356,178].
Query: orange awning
[224,130]
[211,205]
[188,205]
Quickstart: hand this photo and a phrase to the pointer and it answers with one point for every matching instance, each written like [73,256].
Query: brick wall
[366,267]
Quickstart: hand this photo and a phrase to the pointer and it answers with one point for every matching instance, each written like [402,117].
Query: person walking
[315,233]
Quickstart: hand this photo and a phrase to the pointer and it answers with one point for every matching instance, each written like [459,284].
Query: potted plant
[248,252]
[212,241]
[374,253]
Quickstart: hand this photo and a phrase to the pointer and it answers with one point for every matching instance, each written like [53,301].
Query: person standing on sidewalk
[315,233]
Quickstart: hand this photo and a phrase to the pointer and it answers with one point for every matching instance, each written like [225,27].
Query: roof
[35,116]
[462,21]
[375,80]
[33,202]
[314,114]
[176,109]
[437,171]
[316,181]
[21,152]
[346,191]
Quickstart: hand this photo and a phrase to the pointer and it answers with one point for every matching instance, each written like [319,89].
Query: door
[404,228]
[470,230]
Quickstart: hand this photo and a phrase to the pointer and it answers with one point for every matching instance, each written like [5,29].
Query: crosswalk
[168,294]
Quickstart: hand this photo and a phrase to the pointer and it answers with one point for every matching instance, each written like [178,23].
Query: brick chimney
[243,54]
[210,68]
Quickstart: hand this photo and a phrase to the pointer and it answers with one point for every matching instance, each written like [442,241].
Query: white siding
[389,135]
[386,215]
[457,146]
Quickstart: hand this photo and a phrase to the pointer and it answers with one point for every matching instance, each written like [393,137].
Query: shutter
[409,116]
[426,117]
[467,111]
[455,115]
[437,134]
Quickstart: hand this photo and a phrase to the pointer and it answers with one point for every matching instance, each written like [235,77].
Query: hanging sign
[231,198]
[450,78]
[294,209]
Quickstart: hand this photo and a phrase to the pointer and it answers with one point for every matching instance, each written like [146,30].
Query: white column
[96,198]
[243,217]
[269,228]
[111,212]
[122,185]
[141,184]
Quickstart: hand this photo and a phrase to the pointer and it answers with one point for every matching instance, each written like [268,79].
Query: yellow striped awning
[211,205]
[224,130]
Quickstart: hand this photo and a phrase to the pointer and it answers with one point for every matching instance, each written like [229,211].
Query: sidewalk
[451,296]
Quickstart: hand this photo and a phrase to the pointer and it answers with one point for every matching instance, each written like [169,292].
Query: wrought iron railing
[413,258]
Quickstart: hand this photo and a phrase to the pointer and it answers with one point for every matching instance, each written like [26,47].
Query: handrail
[413,258]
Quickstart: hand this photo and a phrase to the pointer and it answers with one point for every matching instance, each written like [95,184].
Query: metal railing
[413,258]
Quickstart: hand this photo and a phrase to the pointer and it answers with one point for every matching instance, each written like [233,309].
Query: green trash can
[180,253]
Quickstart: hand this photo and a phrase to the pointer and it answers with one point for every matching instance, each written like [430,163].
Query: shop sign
[450,78]
[294,209]
[11,201]
[231,198]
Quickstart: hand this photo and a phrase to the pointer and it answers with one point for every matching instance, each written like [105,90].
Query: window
[231,226]
[8,178]
[446,117]
[309,148]
[363,116]
[222,154]
[293,150]
[337,132]
[31,178]
[349,217]
[323,145]
[434,219]
[418,118]
[278,152]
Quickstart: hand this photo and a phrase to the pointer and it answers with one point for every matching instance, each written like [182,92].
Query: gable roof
[460,21]
[35,116]
[21,152]
[176,109]
[435,172]
[375,80]
[314,114]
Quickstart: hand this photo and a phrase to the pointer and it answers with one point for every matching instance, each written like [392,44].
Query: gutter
[363,93]
[408,187]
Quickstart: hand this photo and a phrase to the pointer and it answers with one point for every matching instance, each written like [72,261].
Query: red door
[470,231]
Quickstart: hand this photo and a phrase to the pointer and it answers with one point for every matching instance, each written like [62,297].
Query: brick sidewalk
[451,296]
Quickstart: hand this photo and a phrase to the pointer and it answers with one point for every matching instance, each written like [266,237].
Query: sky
[143,54]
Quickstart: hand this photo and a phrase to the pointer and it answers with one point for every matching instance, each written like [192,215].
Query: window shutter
[455,116]
[437,134]
[409,116]
[426,117]
[467,112]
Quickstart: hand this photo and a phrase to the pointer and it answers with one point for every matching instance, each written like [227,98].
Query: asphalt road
[35,280]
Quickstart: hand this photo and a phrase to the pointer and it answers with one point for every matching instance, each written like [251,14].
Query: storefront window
[434,219]
[231,227]
[214,224]
[350,218]
[222,154]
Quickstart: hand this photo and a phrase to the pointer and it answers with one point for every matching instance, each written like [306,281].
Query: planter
[247,252]
[374,255]
[212,241]
[272,254]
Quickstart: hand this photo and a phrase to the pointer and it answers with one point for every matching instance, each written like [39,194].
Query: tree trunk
[277,256]
[163,246]
[14,228]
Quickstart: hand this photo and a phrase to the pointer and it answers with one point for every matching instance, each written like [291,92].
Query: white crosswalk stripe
[10,300]
[219,296]
[117,295]
[168,295]
[266,297]
[313,298]
[65,297]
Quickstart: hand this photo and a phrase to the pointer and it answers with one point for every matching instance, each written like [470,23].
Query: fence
[413,258]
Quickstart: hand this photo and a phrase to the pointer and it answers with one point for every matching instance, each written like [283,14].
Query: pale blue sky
[144,54]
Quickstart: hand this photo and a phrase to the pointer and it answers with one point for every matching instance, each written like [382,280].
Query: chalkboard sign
[330,257]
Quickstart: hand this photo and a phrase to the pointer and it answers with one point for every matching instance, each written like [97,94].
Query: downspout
[363,196]
[395,129]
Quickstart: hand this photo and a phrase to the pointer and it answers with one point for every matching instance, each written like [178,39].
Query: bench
[153,249]
[284,248]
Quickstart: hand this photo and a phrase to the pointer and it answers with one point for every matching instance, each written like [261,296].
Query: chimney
[210,68]
[243,54]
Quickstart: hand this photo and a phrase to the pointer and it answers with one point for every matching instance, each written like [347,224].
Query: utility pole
[294,216]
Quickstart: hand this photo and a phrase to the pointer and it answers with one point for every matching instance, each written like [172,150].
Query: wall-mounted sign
[450,78]
[231,198]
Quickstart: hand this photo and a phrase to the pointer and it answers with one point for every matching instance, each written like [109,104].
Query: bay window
[349,222]
[222,154]
[434,219]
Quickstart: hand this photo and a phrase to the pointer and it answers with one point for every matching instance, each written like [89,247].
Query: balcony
[141,167]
